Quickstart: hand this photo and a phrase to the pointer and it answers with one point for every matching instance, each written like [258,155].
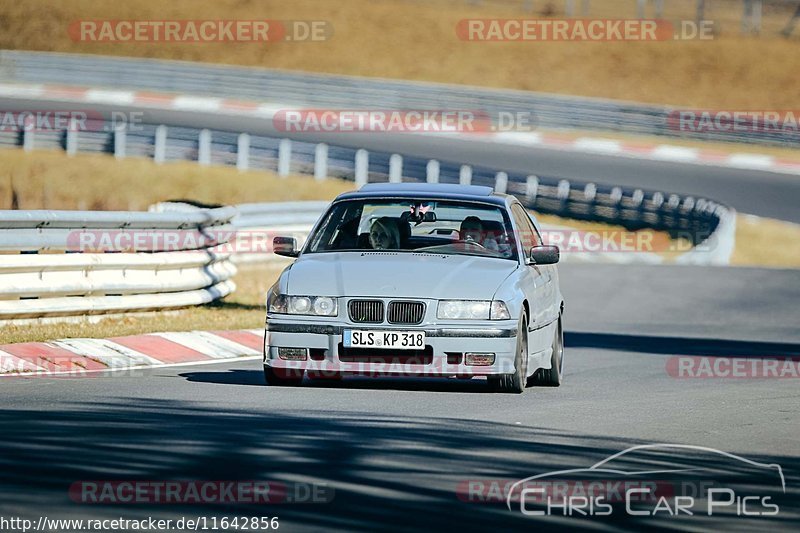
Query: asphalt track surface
[763,193]
[395,451]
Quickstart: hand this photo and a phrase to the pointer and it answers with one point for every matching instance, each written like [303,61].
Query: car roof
[428,191]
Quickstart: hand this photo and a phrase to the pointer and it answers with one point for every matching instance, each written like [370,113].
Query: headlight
[300,305]
[472,310]
[324,306]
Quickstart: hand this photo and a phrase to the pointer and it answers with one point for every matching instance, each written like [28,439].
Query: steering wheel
[473,243]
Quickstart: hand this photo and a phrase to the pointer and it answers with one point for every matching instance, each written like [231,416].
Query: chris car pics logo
[655,480]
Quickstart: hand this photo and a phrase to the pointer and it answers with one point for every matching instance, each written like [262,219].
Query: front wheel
[553,376]
[283,377]
[515,383]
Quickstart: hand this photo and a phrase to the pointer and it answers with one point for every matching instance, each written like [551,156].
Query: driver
[472,230]
[384,235]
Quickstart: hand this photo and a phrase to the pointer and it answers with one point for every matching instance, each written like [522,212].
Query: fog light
[479,359]
[293,354]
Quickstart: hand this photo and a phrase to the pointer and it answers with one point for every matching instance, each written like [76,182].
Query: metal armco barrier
[257,223]
[345,92]
[175,263]
[707,225]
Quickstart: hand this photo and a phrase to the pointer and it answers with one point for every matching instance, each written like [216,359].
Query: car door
[539,286]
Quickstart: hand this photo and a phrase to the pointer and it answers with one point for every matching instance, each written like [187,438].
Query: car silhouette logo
[604,467]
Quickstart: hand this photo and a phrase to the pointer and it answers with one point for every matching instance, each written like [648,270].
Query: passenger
[383,235]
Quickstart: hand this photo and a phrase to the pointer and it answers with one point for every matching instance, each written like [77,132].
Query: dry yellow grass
[416,40]
[766,242]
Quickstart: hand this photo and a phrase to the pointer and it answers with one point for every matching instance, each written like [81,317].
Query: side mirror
[544,255]
[285,246]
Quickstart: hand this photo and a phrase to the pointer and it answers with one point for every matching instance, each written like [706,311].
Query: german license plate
[395,340]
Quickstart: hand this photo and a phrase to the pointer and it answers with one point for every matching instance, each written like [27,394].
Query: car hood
[393,274]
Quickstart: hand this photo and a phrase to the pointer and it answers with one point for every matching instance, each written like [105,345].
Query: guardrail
[50,267]
[257,223]
[343,92]
[706,224]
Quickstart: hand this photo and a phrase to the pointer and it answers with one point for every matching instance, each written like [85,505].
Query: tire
[283,377]
[553,376]
[515,383]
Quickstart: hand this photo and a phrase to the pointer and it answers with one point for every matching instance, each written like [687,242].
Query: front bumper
[444,345]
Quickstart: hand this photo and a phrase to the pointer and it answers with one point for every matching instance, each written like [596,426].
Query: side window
[537,237]
[528,235]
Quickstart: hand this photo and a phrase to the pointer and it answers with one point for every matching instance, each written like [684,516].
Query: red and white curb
[153,350]
[653,152]
[591,145]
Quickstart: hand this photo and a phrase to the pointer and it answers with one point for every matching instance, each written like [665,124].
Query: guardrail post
[563,189]
[531,188]
[757,13]
[284,157]
[674,201]
[72,137]
[658,199]
[751,19]
[501,182]
[28,135]
[590,195]
[657,202]
[321,161]
[120,134]
[362,167]
[204,148]
[616,199]
[700,12]
[432,171]
[243,152]
[465,175]
[160,150]
[562,192]
[395,168]
[590,192]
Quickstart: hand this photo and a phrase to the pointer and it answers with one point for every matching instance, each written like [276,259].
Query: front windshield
[442,227]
